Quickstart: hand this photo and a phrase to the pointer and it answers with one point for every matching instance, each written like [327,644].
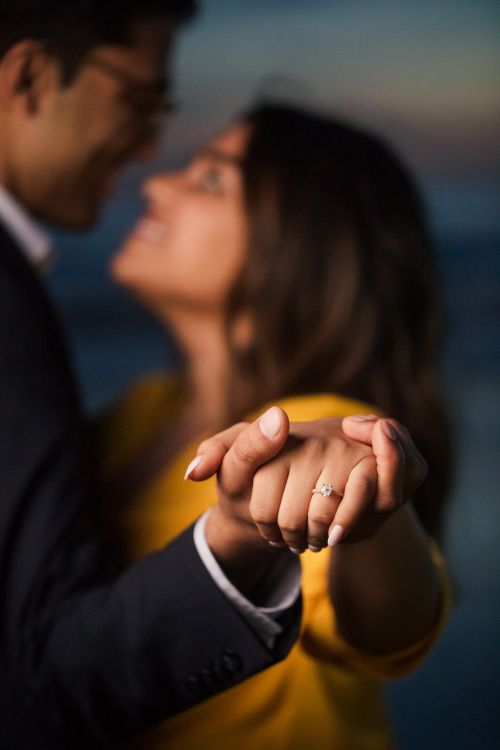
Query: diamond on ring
[327,490]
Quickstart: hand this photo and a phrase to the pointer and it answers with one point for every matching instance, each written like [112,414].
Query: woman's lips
[151,230]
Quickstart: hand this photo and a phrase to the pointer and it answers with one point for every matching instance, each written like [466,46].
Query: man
[85,661]
[82,86]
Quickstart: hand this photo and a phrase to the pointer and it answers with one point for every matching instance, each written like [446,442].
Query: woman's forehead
[231,144]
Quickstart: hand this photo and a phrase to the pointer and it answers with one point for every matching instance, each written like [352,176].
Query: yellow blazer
[326,694]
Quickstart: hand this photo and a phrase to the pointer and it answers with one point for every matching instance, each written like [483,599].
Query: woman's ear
[27,74]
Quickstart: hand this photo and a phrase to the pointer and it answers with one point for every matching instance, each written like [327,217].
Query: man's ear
[27,74]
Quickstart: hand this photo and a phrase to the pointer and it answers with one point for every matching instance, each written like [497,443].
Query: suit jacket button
[231,661]
[218,672]
[207,676]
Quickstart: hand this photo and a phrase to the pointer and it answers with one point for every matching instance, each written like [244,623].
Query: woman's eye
[210,180]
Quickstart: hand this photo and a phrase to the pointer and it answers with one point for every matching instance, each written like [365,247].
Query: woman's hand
[371,461]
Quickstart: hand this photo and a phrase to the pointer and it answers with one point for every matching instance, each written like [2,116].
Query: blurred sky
[424,72]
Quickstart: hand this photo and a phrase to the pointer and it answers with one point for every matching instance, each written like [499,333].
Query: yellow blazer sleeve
[321,639]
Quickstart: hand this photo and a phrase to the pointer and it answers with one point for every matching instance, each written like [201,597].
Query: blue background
[427,75]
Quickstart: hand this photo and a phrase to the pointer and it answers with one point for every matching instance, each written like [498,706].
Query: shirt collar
[33,241]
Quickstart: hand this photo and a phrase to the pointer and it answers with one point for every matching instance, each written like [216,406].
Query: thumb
[254,445]
[391,462]
[381,435]
[210,453]
[401,467]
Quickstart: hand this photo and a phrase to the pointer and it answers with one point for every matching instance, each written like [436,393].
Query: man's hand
[401,469]
[267,483]
[236,455]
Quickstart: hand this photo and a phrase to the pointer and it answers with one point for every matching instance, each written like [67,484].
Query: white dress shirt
[29,235]
[282,586]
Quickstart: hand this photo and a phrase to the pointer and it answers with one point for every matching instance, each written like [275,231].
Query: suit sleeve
[97,659]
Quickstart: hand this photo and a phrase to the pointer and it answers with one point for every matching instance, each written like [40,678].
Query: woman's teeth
[152,230]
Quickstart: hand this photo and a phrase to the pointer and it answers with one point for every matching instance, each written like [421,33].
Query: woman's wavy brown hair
[339,281]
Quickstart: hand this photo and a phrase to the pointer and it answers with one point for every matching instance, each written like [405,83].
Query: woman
[316,293]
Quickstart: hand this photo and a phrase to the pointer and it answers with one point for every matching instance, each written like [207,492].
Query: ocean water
[451,702]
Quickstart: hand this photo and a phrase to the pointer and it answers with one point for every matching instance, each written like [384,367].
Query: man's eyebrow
[221,156]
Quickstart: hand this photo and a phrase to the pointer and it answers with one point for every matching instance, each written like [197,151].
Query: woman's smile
[151,229]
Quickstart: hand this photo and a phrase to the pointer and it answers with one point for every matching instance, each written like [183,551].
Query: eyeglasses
[148,100]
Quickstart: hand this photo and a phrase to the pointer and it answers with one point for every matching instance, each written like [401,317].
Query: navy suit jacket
[85,659]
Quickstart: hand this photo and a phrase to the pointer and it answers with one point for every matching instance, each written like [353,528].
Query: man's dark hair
[69,29]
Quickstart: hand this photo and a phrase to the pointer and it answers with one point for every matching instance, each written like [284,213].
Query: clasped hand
[267,471]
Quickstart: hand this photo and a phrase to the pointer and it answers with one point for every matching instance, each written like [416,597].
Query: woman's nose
[161,187]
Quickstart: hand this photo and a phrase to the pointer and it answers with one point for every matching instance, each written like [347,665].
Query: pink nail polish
[270,423]
[296,551]
[363,418]
[192,466]
[277,544]
[336,535]
[313,548]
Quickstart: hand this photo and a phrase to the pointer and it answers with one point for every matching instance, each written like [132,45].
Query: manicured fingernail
[296,551]
[389,430]
[277,544]
[313,549]
[192,466]
[336,535]
[363,418]
[270,423]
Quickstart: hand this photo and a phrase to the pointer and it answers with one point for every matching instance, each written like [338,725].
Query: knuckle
[314,447]
[290,526]
[362,454]
[266,475]
[319,518]
[245,452]
[262,516]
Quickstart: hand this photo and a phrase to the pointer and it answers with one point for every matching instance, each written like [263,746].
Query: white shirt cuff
[278,592]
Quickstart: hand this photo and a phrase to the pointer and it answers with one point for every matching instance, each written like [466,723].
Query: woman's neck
[202,342]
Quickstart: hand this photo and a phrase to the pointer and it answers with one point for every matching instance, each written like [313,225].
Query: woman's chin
[123,276]
[118,270]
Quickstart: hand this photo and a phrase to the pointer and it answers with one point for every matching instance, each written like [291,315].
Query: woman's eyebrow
[221,156]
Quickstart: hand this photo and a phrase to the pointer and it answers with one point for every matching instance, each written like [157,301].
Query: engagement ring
[327,490]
